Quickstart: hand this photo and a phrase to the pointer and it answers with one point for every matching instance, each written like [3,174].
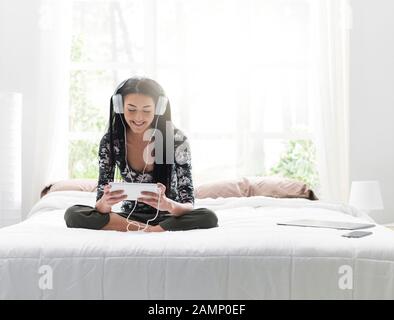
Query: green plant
[298,162]
[83,160]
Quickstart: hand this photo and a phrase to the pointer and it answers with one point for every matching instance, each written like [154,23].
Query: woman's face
[139,111]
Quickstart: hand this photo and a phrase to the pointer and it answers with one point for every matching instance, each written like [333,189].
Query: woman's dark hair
[150,88]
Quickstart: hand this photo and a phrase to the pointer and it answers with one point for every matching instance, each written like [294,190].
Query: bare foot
[156,228]
[118,223]
[133,225]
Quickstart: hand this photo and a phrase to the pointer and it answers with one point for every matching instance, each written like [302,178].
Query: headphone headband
[120,86]
[117,100]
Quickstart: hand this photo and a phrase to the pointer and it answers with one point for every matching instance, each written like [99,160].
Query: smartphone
[357,234]
[133,190]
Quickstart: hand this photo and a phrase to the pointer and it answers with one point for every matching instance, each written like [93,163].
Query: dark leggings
[81,216]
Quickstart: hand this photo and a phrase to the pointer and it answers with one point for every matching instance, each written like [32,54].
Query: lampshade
[365,195]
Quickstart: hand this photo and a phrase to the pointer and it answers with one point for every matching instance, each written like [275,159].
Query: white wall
[372,98]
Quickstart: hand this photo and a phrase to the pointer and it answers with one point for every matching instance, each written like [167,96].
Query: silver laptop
[341,225]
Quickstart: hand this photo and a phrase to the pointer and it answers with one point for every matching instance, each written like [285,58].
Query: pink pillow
[276,187]
[279,187]
[88,185]
[224,189]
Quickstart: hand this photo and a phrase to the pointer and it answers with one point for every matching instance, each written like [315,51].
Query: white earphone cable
[129,222]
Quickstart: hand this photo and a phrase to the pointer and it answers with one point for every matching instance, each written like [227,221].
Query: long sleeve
[183,168]
[106,170]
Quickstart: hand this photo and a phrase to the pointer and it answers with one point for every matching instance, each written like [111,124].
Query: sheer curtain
[332,21]
[35,49]
[52,90]
[51,123]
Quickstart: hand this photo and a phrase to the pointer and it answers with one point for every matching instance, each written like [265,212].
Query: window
[236,72]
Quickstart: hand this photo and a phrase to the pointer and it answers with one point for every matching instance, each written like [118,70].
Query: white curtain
[332,21]
[35,52]
[51,135]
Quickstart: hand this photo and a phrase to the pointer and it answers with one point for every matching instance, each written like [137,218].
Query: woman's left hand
[152,198]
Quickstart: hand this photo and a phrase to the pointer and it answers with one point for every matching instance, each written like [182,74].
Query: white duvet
[247,257]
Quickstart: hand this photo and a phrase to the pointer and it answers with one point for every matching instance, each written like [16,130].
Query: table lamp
[366,196]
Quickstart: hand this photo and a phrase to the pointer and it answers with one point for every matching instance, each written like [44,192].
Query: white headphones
[117,101]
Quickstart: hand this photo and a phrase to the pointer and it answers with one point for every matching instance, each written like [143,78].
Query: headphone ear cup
[117,102]
[161,105]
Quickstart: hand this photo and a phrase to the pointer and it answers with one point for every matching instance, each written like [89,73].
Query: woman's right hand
[109,199]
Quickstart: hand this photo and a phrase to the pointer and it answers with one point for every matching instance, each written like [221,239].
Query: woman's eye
[147,111]
[132,110]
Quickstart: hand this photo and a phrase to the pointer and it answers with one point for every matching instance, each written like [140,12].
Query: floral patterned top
[181,189]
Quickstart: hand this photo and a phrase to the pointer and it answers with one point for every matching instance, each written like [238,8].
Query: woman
[137,108]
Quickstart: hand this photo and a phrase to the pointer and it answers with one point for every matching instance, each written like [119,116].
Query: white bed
[247,257]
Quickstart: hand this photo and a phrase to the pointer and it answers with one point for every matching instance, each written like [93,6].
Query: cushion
[276,187]
[279,187]
[224,189]
[89,185]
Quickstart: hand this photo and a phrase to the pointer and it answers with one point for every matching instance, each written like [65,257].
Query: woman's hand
[109,199]
[166,204]
[152,198]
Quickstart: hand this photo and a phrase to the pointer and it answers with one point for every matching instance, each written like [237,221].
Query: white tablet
[133,190]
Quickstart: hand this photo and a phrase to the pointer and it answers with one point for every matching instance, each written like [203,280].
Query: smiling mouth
[138,124]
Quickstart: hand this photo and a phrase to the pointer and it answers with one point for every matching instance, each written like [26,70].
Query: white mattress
[247,257]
